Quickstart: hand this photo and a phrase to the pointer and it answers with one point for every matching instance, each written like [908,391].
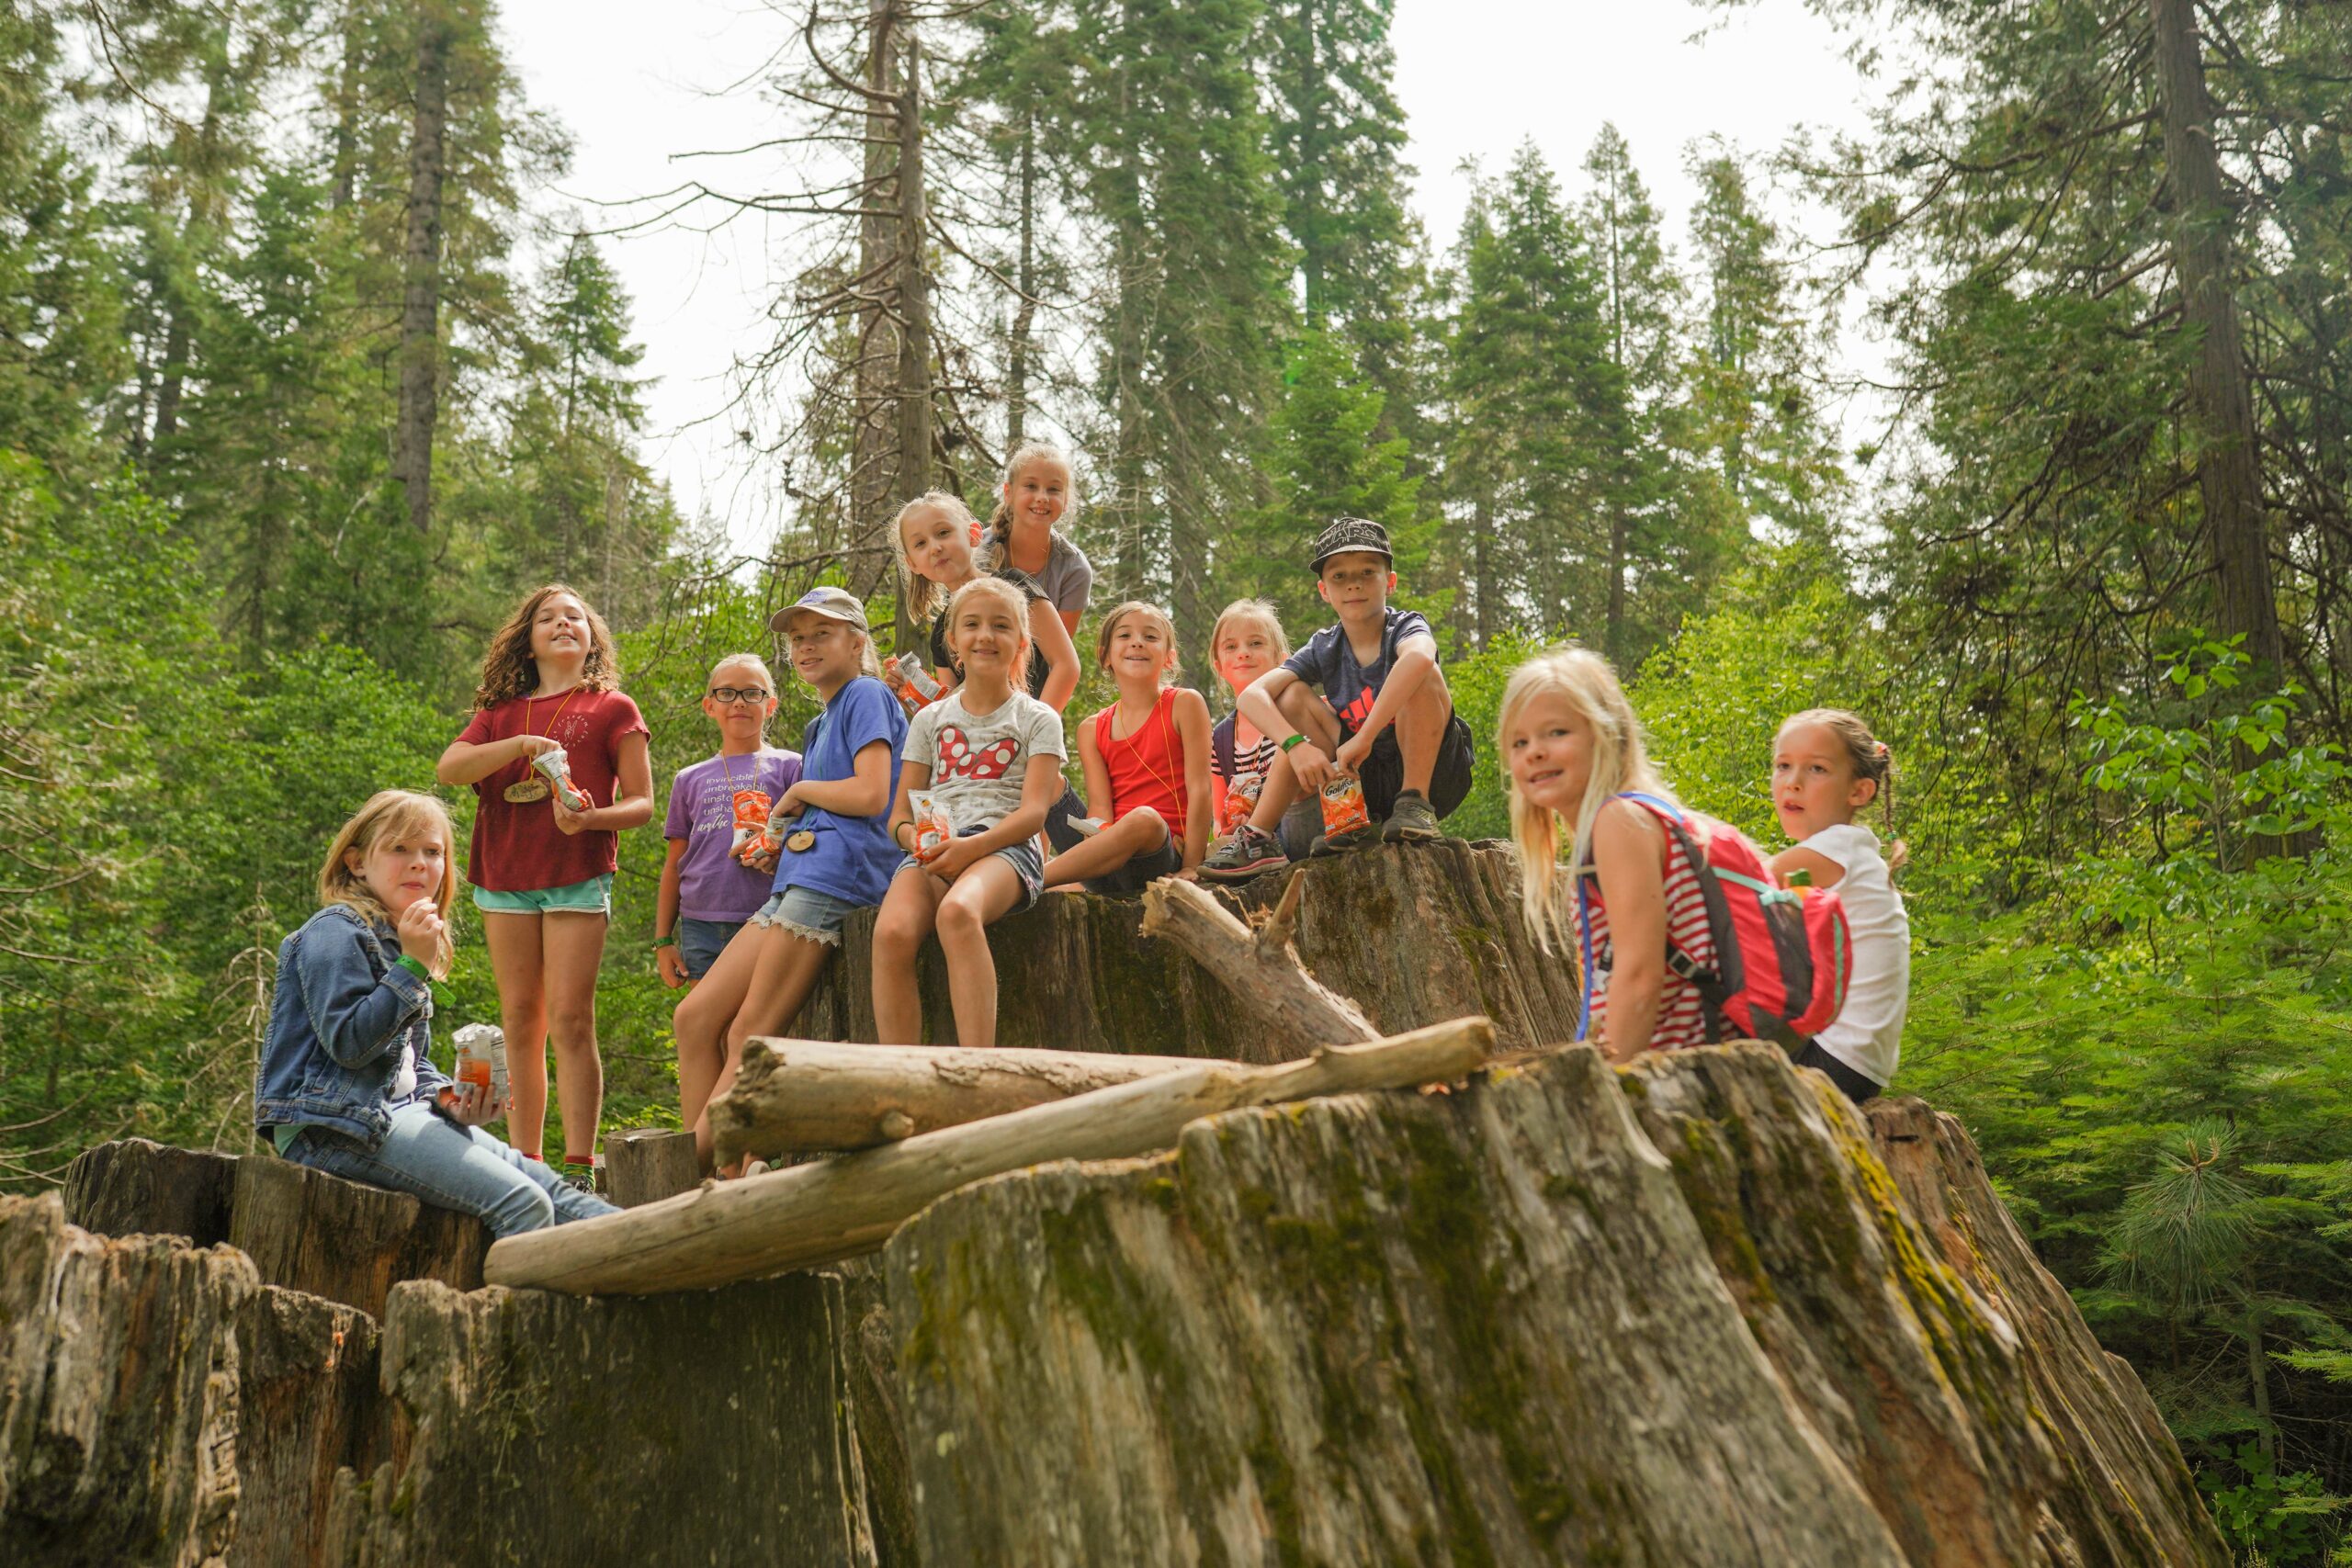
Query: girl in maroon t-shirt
[542,873]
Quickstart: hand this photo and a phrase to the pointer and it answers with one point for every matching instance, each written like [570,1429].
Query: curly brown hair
[508,671]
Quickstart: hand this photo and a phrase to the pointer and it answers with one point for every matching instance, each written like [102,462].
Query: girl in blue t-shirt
[835,858]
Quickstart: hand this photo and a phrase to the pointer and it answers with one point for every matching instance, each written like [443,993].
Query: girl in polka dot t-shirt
[989,757]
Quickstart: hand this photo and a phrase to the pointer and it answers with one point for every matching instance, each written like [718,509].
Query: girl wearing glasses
[716,878]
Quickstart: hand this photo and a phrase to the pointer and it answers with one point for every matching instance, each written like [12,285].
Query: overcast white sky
[1475,77]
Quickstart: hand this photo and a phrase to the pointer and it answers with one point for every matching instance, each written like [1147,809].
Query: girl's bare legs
[572,945]
[513,944]
[783,971]
[1140,832]
[986,891]
[702,1018]
[908,913]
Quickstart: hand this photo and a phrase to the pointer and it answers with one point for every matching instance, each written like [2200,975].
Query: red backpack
[1783,955]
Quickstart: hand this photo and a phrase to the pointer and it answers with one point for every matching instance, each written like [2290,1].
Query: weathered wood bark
[841,1208]
[644,1165]
[1838,1285]
[814,1095]
[420,353]
[132,1187]
[309,1230]
[541,1428]
[118,1394]
[1414,934]
[308,1408]
[1543,1319]
[2128,1497]
[1259,969]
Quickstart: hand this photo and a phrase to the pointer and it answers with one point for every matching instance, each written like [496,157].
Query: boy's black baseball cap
[1352,534]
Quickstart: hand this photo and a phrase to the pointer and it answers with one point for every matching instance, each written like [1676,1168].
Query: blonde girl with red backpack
[1684,938]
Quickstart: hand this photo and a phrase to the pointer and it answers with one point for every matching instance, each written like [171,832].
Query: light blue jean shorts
[593,896]
[807,912]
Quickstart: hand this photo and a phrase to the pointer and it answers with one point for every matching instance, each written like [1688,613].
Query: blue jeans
[701,941]
[452,1168]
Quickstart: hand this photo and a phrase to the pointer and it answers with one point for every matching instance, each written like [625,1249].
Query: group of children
[938,797]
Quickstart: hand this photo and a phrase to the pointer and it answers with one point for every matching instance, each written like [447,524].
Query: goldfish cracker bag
[933,828]
[1343,807]
[482,1058]
[556,764]
[903,673]
[1240,800]
[755,835]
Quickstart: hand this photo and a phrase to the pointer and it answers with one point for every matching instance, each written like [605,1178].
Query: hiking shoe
[1243,855]
[1412,819]
[580,1178]
[1354,838]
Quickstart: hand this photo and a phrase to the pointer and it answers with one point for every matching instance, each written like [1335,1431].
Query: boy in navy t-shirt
[1384,713]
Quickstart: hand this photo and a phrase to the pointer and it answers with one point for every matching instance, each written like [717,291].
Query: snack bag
[754,835]
[903,673]
[556,766]
[1240,800]
[933,828]
[1343,807]
[482,1058]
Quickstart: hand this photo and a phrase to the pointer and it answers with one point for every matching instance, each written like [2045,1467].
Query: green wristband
[663,941]
[413,968]
[1294,740]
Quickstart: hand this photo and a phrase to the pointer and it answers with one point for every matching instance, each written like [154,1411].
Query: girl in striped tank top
[1147,762]
[1574,751]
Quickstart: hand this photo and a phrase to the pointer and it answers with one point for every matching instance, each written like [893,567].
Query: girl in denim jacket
[345,1083]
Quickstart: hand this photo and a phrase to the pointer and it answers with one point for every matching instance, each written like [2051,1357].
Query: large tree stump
[1498,1325]
[132,1187]
[707,1428]
[119,1408]
[1413,934]
[2128,1498]
[350,1243]
[308,1408]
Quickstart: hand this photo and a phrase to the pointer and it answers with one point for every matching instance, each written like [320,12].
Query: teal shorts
[593,896]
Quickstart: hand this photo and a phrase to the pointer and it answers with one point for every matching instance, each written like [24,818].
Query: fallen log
[814,1095]
[1270,986]
[839,1208]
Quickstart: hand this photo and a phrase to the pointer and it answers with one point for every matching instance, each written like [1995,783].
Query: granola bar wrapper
[934,830]
[555,765]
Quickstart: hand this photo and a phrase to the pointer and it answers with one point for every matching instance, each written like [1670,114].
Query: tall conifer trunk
[1024,279]
[421,304]
[2228,461]
[874,441]
[912,388]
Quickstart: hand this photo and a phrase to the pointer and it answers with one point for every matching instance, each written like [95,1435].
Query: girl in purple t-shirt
[709,889]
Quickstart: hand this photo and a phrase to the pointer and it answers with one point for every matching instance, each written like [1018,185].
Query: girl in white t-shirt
[1827,769]
[987,757]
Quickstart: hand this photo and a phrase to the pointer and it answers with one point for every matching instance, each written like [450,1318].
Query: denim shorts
[1140,872]
[807,912]
[593,896]
[1026,864]
[701,941]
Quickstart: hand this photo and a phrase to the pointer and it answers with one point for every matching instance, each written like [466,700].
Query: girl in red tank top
[1146,761]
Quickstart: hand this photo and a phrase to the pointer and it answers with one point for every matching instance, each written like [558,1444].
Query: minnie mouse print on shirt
[980,761]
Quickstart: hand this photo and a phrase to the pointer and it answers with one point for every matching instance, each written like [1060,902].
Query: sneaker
[1411,818]
[580,1178]
[1244,854]
[1339,843]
